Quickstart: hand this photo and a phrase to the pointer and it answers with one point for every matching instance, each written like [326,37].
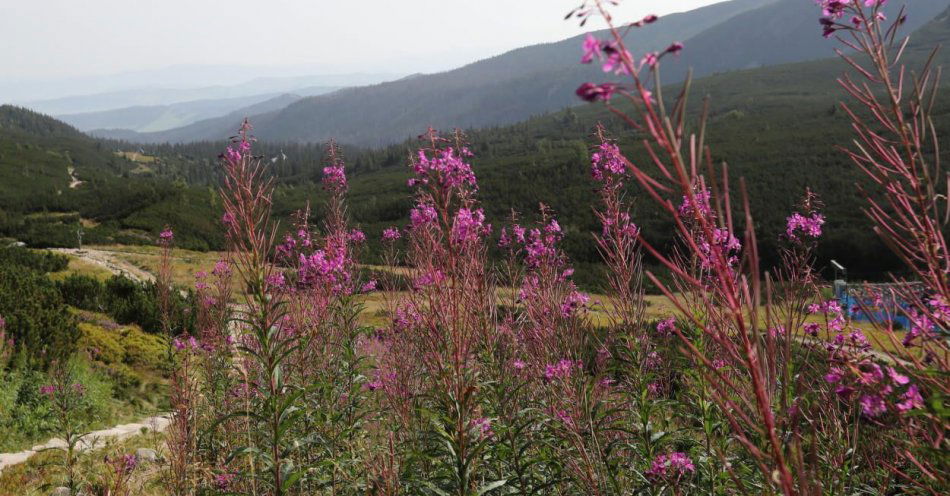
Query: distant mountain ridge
[156,118]
[533,80]
[261,110]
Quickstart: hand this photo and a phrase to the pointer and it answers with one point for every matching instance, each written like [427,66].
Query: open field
[186,263]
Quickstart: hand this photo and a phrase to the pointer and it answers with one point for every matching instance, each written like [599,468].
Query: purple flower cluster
[697,207]
[483,426]
[832,12]
[469,226]
[875,389]
[670,466]
[607,162]
[238,151]
[591,92]
[666,327]
[560,370]
[798,226]
[539,246]
[422,215]
[572,302]
[391,234]
[325,268]
[334,178]
[614,58]
[223,481]
[447,169]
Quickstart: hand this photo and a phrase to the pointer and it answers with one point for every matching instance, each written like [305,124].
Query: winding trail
[110,262]
[91,441]
[74,181]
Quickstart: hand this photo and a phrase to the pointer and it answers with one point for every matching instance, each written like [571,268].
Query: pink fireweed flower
[871,373]
[232,155]
[696,207]
[649,59]
[897,378]
[504,240]
[422,215]
[912,399]
[873,405]
[518,364]
[518,232]
[483,426]
[573,302]
[275,280]
[666,327]
[357,236]
[324,267]
[798,226]
[591,47]
[670,466]
[129,462]
[223,481]
[834,375]
[370,286]
[560,370]
[334,178]
[650,19]
[166,235]
[429,279]
[391,234]
[614,58]
[674,48]
[606,162]
[227,219]
[469,226]
[591,92]
[48,390]
[652,361]
[221,269]
[447,168]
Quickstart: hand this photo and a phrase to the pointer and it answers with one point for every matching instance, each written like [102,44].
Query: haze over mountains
[776,126]
[171,85]
[511,87]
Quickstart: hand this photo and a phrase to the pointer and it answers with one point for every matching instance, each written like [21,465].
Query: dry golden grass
[184,263]
[81,267]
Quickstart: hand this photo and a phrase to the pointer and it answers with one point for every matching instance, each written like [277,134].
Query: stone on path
[146,455]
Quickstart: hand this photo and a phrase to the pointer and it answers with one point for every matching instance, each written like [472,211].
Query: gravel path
[110,262]
[90,441]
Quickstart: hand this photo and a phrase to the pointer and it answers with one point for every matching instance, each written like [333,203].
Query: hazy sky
[44,39]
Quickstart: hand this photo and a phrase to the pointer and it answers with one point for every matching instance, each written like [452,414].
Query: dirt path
[110,262]
[74,181]
[91,441]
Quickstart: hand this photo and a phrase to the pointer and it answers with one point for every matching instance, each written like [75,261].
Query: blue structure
[872,303]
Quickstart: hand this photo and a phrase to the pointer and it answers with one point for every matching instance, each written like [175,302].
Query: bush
[36,316]
[126,301]
[101,344]
[82,291]
[44,261]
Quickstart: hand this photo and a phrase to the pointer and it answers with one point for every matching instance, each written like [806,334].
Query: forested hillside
[776,126]
[529,81]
